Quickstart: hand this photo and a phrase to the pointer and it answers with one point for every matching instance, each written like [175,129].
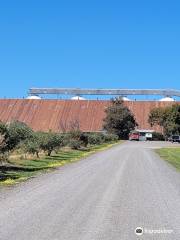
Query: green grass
[171,155]
[21,169]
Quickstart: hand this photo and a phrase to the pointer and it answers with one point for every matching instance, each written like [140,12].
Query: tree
[119,119]
[11,135]
[157,117]
[51,141]
[33,145]
[168,118]
[3,136]
[17,132]
[3,142]
[72,125]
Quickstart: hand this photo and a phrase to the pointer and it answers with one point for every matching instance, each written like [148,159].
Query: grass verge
[19,170]
[171,155]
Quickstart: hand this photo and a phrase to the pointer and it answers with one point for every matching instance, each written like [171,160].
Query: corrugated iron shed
[59,115]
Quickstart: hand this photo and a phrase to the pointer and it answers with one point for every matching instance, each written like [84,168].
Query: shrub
[17,132]
[33,145]
[99,138]
[3,142]
[77,139]
[110,137]
[11,136]
[84,139]
[75,144]
[156,136]
[51,141]
[95,138]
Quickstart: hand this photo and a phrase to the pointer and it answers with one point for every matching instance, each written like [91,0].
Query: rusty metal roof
[57,115]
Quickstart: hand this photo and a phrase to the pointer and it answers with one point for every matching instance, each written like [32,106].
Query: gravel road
[104,197]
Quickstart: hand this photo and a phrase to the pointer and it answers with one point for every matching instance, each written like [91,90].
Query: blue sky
[97,44]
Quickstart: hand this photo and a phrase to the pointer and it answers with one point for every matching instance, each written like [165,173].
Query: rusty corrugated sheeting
[58,115]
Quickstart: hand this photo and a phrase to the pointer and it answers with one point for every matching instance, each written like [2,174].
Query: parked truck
[134,136]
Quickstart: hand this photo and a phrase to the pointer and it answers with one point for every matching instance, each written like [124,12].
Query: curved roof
[34,97]
[77,98]
[167,99]
[125,99]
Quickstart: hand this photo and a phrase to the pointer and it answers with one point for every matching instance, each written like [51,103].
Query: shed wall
[59,115]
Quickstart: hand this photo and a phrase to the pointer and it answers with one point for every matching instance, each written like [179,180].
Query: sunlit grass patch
[8,181]
[171,155]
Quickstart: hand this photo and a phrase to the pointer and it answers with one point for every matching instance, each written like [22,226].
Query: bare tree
[63,126]
[74,125]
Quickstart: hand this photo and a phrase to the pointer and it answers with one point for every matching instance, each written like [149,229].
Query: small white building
[145,134]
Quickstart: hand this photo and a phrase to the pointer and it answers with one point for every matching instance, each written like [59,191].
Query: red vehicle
[134,136]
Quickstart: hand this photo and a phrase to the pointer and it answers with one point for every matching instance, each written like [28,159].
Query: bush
[17,132]
[17,135]
[3,142]
[74,134]
[156,136]
[99,138]
[77,139]
[75,144]
[51,142]
[84,139]
[111,137]
[33,145]
[95,138]
[11,136]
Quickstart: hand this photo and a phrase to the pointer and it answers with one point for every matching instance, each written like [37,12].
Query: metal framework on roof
[120,92]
